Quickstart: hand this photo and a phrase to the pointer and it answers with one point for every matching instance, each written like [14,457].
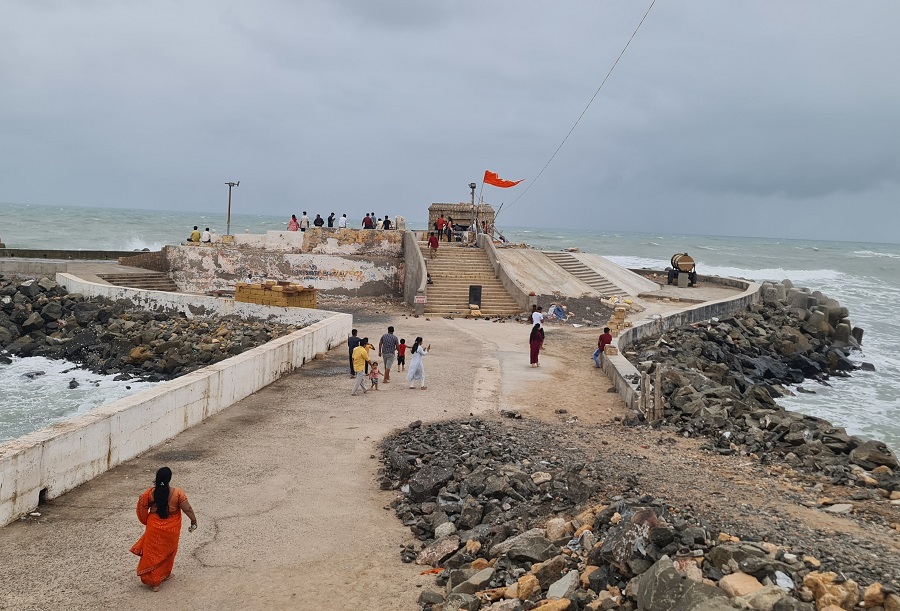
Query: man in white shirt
[537,317]
[342,222]
[205,237]
[304,222]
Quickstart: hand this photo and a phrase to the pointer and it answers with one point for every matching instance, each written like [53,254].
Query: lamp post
[472,186]
[230,186]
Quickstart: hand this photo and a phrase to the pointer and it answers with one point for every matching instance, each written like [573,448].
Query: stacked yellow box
[273,293]
[617,322]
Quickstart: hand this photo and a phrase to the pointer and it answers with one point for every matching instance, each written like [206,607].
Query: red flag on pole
[491,178]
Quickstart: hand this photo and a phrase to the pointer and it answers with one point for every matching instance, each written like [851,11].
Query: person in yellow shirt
[360,362]
[195,235]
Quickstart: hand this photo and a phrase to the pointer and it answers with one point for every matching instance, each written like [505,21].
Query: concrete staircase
[571,264]
[452,271]
[149,281]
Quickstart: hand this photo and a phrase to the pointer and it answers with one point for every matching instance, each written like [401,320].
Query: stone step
[153,281]
[576,268]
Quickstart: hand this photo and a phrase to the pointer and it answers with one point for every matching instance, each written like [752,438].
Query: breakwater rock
[39,318]
[518,517]
[721,379]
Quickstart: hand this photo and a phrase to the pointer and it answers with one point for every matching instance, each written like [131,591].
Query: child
[401,355]
[373,375]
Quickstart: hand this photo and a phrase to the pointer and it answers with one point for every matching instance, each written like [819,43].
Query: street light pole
[472,186]
[230,186]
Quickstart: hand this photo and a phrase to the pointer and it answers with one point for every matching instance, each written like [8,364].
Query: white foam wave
[814,277]
[873,253]
[34,401]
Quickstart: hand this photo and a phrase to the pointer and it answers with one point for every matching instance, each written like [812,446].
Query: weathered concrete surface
[319,240]
[534,271]
[370,242]
[64,455]
[200,270]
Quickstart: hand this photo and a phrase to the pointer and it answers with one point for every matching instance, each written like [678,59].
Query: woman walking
[159,509]
[416,367]
[536,341]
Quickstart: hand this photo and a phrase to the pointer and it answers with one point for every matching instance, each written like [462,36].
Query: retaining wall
[49,462]
[40,253]
[415,274]
[620,371]
[216,268]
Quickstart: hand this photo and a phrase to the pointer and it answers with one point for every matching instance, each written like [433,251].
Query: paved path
[285,488]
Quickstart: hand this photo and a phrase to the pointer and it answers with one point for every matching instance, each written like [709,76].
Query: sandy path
[285,488]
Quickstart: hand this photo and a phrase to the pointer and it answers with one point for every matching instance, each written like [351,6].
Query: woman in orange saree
[159,509]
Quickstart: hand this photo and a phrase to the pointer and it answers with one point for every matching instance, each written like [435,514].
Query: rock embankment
[39,318]
[515,518]
[721,379]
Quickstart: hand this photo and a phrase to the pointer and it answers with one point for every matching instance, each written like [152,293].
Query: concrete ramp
[571,275]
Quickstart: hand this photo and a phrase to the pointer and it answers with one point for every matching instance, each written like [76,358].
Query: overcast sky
[766,118]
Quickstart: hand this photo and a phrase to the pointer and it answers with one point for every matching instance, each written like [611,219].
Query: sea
[863,276]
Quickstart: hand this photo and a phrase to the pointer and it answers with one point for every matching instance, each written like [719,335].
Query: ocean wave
[31,402]
[815,277]
[873,253]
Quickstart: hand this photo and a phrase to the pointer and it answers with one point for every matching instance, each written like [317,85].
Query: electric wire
[583,112]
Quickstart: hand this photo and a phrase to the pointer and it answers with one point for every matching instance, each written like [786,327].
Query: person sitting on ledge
[195,235]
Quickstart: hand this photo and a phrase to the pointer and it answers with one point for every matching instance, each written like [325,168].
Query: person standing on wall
[387,348]
[319,221]
[293,224]
[342,222]
[386,224]
[304,222]
[331,220]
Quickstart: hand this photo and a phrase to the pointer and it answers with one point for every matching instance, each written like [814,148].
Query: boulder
[462,602]
[564,587]
[873,596]
[527,586]
[828,591]
[427,481]
[531,545]
[477,582]
[662,588]
[739,584]
[763,599]
[551,570]
[871,454]
[435,553]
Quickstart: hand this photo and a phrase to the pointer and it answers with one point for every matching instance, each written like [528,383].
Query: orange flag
[491,178]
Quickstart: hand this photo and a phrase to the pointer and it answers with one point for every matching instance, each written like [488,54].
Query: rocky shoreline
[519,516]
[40,318]
[721,379]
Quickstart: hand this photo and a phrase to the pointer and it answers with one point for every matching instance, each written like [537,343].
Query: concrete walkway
[285,488]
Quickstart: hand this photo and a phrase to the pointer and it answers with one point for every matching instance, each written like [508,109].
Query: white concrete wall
[67,454]
[281,241]
[191,305]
